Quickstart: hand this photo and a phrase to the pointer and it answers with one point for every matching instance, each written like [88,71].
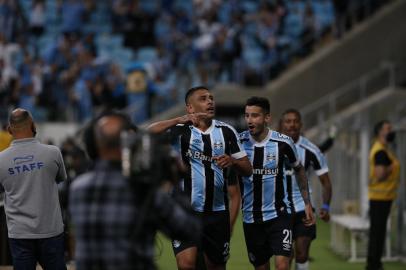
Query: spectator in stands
[73,16]
[384,173]
[37,21]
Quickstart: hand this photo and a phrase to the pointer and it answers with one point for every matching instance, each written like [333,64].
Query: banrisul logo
[265,171]
[198,155]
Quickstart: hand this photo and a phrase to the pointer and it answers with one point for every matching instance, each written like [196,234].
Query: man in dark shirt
[111,228]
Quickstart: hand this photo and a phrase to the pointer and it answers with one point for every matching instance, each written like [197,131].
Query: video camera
[148,159]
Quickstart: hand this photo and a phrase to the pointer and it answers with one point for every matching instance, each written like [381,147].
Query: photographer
[115,222]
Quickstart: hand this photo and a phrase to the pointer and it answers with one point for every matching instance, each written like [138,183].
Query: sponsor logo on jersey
[197,141]
[218,145]
[251,256]
[266,171]
[283,136]
[176,243]
[271,157]
[286,246]
[198,155]
[289,172]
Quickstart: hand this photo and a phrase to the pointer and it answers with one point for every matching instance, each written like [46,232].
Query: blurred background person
[384,175]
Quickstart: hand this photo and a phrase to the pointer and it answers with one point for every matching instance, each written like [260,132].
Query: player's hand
[310,219]
[195,118]
[224,161]
[324,215]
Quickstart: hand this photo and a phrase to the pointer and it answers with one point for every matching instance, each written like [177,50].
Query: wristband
[326,207]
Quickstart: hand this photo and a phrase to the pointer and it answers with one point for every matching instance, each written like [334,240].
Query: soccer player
[310,156]
[209,149]
[266,212]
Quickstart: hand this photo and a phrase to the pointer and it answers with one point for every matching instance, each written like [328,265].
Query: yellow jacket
[5,139]
[384,190]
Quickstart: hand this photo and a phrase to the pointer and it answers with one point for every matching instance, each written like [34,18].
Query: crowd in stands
[66,59]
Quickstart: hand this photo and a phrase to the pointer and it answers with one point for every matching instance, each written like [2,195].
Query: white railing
[322,109]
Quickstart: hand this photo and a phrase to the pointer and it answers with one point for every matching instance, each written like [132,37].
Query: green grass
[323,257]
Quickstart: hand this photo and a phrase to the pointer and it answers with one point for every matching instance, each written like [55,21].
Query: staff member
[384,171]
[29,173]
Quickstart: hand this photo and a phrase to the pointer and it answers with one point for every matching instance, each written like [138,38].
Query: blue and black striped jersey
[264,195]
[205,182]
[310,156]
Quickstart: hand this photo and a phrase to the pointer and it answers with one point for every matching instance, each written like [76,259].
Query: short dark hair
[378,126]
[294,111]
[261,102]
[192,90]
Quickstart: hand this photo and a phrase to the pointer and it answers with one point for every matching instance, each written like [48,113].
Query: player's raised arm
[161,126]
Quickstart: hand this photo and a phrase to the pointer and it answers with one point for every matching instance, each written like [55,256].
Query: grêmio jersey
[264,195]
[310,156]
[205,183]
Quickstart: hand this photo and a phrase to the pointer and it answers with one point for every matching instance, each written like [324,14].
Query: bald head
[21,124]
[107,132]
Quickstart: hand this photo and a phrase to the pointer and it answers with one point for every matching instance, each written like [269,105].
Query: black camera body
[148,159]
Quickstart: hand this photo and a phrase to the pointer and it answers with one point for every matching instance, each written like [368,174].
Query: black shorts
[273,237]
[215,240]
[299,229]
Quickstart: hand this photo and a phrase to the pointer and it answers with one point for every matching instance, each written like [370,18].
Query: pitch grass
[323,257]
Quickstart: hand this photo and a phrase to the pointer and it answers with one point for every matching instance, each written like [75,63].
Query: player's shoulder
[224,126]
[218,123]
[307,144]
[277,136]
[50,148]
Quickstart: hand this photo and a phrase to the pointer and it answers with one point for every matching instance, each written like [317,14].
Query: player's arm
[161,126]
[319,163]
[235,198]
[301,179]
[242,165]
[304,191]
[382,168]
[326,196]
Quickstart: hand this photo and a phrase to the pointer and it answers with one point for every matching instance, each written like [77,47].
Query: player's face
[291,125]
[256,119]
[201,101]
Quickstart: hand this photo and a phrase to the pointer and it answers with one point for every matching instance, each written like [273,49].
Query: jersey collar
[264,141]
[208,131]
[26,140]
